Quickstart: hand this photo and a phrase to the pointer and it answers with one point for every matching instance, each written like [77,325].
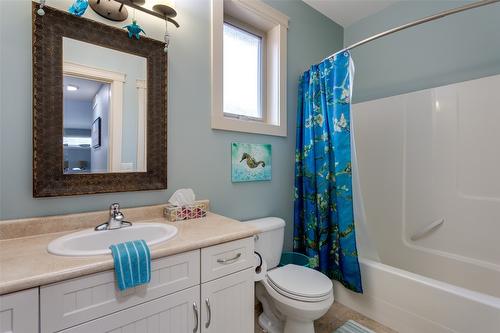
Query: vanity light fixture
[110,10]
[164,9]
[115,10]
[71,87]
[40,10]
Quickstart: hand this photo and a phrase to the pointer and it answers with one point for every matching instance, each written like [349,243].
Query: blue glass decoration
[78,7]
[134,30]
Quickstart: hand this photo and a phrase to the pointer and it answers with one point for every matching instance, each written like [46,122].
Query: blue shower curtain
[323,207]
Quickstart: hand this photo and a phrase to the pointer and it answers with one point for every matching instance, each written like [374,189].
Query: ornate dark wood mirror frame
[48,176]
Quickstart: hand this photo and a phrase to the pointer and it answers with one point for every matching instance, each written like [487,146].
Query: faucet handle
[119,216]
[114,209]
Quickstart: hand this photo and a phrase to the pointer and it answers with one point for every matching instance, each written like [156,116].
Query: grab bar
[427,229]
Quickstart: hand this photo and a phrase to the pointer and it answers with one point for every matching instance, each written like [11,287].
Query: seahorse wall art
[250,162]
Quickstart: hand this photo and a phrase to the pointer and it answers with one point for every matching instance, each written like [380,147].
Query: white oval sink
[91,243]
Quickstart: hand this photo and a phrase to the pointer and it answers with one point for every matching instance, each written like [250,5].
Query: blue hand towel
[132,263]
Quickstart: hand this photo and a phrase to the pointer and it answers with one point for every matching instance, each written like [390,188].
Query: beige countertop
[25,262]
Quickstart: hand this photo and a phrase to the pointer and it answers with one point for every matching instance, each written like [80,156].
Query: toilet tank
[269,243]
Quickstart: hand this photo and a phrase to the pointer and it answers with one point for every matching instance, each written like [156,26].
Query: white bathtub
[411,303]
[422,157]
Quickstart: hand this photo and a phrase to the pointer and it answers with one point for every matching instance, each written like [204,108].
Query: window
[242,68]
[248,67]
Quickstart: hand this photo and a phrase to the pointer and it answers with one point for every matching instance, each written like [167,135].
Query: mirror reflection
[105,109]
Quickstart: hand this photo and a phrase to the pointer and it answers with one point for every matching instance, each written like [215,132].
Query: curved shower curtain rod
[415,23]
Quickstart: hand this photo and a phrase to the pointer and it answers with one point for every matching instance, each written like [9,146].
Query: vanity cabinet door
[228,304]
[19,312]
[176,313]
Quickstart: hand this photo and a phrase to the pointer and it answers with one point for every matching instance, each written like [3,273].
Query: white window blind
[242,73]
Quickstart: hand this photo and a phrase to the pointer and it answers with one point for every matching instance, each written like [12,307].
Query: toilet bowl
[292,296]
[295,305]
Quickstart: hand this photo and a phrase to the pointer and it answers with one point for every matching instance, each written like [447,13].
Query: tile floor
[336,317]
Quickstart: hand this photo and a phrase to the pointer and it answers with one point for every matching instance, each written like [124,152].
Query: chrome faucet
[115,219]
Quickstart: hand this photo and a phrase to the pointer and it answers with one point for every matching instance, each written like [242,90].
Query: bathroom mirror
[99,108]
[104,109]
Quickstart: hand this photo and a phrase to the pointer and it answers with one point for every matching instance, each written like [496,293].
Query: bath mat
[352,327]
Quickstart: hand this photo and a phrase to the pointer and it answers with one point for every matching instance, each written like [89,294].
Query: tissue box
[197,210]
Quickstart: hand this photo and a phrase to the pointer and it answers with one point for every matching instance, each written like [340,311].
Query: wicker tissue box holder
[197,210]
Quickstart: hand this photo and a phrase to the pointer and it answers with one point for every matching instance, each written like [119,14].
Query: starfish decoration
[78,7]
[134,30]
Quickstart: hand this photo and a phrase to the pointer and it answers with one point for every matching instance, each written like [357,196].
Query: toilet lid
[300,281]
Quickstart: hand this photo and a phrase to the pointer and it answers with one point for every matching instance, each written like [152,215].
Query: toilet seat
[300,283]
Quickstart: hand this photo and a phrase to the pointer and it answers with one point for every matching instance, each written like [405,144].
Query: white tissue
[182,197]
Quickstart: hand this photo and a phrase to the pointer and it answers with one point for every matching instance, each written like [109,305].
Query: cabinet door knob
[195,309]
[229,260]
[209,311]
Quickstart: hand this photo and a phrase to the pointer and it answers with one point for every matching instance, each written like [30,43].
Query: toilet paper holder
[259,266]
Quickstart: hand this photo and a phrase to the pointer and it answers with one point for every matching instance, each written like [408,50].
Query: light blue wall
[461,47]
[198,156]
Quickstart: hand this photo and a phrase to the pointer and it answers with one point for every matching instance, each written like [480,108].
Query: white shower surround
[424,156]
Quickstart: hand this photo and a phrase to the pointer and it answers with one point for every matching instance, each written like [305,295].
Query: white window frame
[253,16]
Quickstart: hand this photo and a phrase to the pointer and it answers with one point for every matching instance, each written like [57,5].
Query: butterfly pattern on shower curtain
[323,207]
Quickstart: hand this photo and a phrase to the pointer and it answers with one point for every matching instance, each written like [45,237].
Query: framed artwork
[96,133]
[250,162]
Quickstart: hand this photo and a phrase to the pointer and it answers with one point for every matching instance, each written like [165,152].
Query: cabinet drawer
[176,313]
[75,301]
[227,258]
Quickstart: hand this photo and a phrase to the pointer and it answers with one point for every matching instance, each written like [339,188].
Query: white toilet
[292,296]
